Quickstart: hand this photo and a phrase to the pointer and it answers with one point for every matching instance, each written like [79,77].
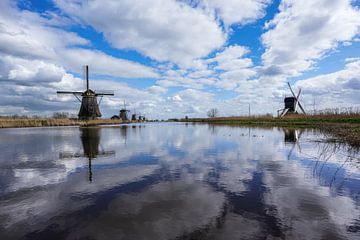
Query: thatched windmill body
[89,104]
[291,104]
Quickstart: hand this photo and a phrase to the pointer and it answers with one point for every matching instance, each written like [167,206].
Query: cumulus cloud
[161,29]
[104,64]
[237,11]
[164,30]
[302,32]
[27,35]
[342,87]
[29,71]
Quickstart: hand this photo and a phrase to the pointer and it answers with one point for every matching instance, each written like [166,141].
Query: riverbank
[294,120]
[341,127]
[49,122]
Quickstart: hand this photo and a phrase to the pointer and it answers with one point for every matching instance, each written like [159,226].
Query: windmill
[141,117]
[291,104]
[123,113]
[133,116]
[89,105]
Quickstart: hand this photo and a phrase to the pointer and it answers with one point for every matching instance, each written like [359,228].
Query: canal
[177,181]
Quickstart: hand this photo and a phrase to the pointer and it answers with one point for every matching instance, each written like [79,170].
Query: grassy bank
[6,122]
[294,120]
[345,128]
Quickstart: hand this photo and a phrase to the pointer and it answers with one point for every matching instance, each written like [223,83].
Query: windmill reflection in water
[292,137]
[90,139]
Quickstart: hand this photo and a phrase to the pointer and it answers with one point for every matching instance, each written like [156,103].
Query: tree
[60,115]
[213,113]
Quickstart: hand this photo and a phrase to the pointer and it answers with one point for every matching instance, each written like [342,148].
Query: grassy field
[8,122]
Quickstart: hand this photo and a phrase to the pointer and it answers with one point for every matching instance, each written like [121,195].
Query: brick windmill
[89,105]
[291,104]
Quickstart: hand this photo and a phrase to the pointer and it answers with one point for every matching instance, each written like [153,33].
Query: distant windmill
[133,116]
[89,105]
[141,117]
[123,113]
[291,104]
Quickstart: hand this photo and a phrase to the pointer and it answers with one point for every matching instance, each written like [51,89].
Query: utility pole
[249,110]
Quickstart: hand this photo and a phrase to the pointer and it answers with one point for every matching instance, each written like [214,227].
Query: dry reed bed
[47,122]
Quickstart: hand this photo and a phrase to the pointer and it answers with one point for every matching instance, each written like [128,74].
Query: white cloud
[35,71]
[303,31]
[176,98]
[101,63]
[157,90]
[237,11]
[28,35]
[161,29]
[340,87]
[164,29]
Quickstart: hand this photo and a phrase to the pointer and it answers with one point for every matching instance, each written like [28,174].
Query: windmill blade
[291,90]
[76,94]
[302,109]
[284,112]
[69,92]
[86,75]
[297,97]
[297,100]
[104,92]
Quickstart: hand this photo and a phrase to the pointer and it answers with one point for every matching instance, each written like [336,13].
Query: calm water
[176,181]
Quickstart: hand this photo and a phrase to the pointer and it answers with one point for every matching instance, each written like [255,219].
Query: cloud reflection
[175,181]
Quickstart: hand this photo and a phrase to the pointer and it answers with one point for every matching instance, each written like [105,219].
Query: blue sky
[173,58]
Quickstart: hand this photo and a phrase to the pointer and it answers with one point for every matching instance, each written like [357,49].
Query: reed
[9,122]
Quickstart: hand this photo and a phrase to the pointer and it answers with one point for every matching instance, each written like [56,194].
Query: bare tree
[213,113]
[60,115]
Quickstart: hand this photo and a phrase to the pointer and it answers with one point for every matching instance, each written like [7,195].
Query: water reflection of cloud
[42,203]
[306,209]
[163,211]
[194,158]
